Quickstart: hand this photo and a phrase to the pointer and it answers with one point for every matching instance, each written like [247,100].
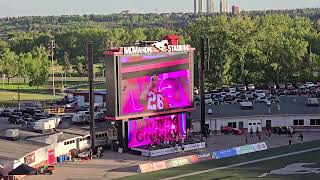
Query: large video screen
[155,83]
[141,132]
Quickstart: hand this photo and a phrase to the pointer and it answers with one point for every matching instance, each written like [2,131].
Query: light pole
[52,61]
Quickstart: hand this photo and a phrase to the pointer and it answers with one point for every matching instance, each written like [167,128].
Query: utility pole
[91,100]
[53,46]
[205,56]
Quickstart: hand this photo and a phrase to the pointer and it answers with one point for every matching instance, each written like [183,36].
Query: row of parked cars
[233,96]
[24,116]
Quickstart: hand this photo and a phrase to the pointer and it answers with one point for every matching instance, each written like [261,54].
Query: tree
[23,60]
[9,64]
[80,65]
[66,66]
[39,67]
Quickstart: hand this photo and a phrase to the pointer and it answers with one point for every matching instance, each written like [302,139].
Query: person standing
[246,139]
[269,133]
[301,136]
[251,132]
[290,141]
[259,136]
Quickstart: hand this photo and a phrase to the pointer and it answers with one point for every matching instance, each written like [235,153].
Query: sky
[60,7]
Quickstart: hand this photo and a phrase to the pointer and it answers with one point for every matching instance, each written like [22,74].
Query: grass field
[9,92]
[250,171]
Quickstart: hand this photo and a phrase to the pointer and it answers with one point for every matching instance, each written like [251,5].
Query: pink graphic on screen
[141,132]
[156,93]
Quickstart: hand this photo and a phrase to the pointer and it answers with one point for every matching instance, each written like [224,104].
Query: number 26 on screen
[155,101]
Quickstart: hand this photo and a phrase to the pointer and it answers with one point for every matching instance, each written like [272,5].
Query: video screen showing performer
[156,93]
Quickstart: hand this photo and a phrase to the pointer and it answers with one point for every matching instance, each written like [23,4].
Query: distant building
[200,10]
[195,6]
[235,9]
[223,6]
[210,6]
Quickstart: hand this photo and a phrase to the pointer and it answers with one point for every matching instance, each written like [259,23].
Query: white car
[232,90]
[262,100]
[309,84]
[207,99]
[251,87]
[249,95]
[259,93]
[233,94]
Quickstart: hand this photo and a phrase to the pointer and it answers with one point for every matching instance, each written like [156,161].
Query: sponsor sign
[161,152]
[225,153]
[162,46]
[143,168]
[245,149]
[51,156]
[178,162]
[152,166]
[29,159]
[204,157]
[260,146]
[189,147]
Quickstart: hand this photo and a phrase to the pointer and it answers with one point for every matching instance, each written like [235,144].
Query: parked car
[251,87]
[218,97]
[241,87]
[309,84]
[289,85]
[80,119]
[274,99]
[207,99]
[259,93]
[249,95]
[303,90]
[232,90]
[312,102]
[281,92]
[233,94]
[282,86]
[272,88]
[6,113]
[262,100]
[14,119]
[293,91]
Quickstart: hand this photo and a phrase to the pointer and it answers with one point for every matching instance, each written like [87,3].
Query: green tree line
[247,48]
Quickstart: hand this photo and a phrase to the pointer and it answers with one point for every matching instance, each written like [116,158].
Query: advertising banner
[260,146]
[204,156]
[141,132]
[29,159]
[245,149]
[224,153]
[189,147]
[152,166]
[51,156]
[152,83]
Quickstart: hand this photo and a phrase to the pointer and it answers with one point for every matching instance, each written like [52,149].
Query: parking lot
[262,94]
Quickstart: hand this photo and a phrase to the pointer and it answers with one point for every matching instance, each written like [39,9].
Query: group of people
[258,134]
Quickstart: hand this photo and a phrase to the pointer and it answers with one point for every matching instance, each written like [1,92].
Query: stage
[164,150]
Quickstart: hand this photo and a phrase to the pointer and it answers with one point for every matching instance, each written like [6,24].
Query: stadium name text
[148,50]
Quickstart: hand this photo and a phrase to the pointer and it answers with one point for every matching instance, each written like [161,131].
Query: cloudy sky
[58,7]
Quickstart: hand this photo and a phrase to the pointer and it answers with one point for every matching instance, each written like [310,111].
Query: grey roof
[288,105]
[11,150]
[66,136]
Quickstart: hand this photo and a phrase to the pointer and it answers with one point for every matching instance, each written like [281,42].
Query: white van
[80,119]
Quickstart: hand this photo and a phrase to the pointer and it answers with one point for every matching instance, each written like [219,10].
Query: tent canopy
[23,169]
